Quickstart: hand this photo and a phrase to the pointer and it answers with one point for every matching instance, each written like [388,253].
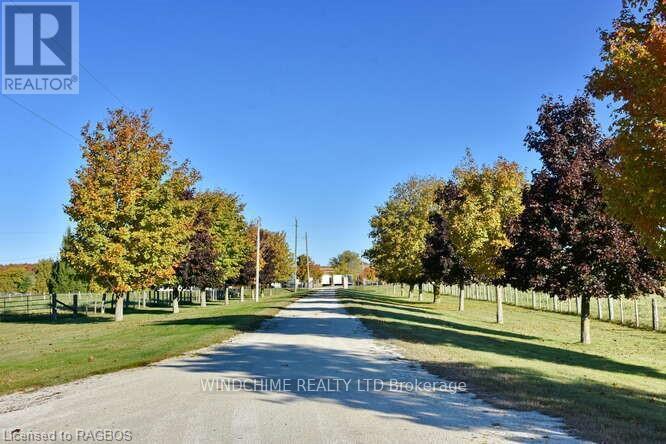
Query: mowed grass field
[613,390]
[37,352]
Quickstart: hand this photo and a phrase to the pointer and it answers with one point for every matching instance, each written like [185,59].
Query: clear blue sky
[304,108]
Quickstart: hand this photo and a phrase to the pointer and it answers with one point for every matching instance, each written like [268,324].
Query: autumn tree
[565,242]
[399,230]
[42,271]
[304,262]
[347,263]
[278,262]
[478,210]
[247,272]
[198,268]
[368,274]
[275,264]
[16,278]
[634,75]
[219,245]
[440,261]
[129,203]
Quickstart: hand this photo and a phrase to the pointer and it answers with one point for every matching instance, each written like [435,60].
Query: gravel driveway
[311,374]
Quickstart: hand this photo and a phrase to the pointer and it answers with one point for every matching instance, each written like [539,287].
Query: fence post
[533,300]
[578,303]
[555,303]
[655,314]
[461,299]
[202,298]
[611,314]
[226,296]
[500,310]
[54,307]
[599,308]
[636,321]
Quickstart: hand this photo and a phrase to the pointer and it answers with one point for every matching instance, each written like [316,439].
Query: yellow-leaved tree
[131,206]
[487,199]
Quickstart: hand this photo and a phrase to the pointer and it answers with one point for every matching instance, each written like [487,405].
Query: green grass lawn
[37,352]
[613,390]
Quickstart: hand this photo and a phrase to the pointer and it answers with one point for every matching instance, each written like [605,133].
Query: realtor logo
[40,44]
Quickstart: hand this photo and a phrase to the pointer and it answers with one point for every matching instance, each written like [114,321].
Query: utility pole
[256,270]
[307,258]
[296,255]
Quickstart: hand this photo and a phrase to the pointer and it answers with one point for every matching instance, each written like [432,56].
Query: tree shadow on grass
[240,322]
[599,412]
[255,362]
[416,329]
[596,411]
[391,324]
[46,319]
[403,304]
[431,321]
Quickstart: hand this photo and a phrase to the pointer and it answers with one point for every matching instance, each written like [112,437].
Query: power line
[42,118]
[103,85]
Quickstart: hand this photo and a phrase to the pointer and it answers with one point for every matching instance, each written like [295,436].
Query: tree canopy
[130,204]
[565,242]
[347,263]
[219,244]
[399,229]
[481,202]
[634,76]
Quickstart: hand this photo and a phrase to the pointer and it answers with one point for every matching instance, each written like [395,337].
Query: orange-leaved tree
[131,206]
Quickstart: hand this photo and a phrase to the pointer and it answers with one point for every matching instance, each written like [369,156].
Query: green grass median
[613,390]
[38,352]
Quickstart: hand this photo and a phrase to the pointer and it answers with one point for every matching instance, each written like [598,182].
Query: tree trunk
[500,308]
[411,289]
[174,301]
[461,298]
[120,299]
[585,320]
[420,292]
[435,293]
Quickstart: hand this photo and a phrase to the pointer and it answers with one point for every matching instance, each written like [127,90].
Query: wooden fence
[20,304]
[642,312]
